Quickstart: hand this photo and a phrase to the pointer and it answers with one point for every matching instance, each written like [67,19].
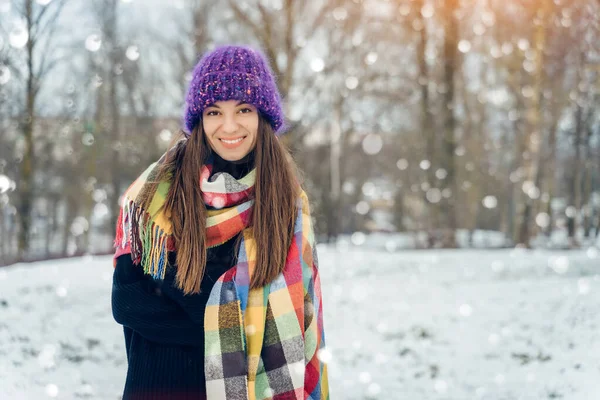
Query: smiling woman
[231,128]
[216,276]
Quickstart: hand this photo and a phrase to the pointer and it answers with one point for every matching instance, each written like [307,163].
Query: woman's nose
[230,125]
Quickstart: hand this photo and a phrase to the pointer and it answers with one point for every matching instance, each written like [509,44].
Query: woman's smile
[232,143]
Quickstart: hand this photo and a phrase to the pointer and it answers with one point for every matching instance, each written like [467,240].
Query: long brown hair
[276,192]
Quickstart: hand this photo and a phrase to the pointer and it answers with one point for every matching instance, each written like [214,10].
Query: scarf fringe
[148,242]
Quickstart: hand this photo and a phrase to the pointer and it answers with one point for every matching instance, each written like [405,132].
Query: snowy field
[414,325]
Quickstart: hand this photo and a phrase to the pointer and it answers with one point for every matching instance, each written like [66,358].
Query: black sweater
[164,329]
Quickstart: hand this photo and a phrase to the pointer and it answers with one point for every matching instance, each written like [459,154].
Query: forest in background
[417,116]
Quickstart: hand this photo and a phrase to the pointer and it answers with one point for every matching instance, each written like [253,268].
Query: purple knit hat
[233,73]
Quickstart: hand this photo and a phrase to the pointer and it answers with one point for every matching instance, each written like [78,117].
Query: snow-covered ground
[406,325]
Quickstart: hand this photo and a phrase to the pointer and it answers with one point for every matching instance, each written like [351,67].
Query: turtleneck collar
[237,168]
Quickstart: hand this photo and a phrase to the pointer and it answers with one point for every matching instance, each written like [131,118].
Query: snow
[430,324]
[392,241]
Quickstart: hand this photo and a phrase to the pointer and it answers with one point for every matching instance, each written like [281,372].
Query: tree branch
[291,48]
[37,20]
[247,21]
[320,18]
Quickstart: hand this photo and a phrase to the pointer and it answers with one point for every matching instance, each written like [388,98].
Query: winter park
[389,199]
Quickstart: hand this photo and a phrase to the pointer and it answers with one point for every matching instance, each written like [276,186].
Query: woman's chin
[232,155]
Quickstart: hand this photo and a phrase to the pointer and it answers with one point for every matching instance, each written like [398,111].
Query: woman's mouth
[232,143]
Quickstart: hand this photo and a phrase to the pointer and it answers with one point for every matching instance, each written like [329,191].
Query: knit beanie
[233,73]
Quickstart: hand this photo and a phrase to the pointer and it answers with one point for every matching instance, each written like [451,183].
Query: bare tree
[194,40]
[451,60]
[427,119]
[40,58]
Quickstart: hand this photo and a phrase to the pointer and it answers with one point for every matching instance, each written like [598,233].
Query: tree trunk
[534,139]
[200,33]
[587,207]
[449,141]
[71,212]
[398,210]
[113,101]
[586,183]
[597,233]
[575,182]
[335,168]
[514,203]
[87,192]
[550,166]
[27,164]
[50,222]
[427,118]
[3,238]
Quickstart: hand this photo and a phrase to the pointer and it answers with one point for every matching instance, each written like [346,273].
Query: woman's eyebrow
[216,106]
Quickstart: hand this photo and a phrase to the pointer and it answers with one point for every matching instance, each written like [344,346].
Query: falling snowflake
[490,201]
[372,144]
[317,64]
[52,390]
[4,73]
[19,36]
[93,42]
[465,310]
[132,53]
[324,355]
[364,377]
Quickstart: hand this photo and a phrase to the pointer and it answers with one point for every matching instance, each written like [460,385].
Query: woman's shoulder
[303,201]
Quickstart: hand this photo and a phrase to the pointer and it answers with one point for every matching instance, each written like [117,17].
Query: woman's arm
[142,304]
[316,384]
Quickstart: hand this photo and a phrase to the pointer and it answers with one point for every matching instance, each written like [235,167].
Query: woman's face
[231,128]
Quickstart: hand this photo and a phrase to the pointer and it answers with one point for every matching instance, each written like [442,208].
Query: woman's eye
[211,113]
[245,110]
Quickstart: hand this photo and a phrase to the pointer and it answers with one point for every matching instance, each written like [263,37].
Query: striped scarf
[265,343]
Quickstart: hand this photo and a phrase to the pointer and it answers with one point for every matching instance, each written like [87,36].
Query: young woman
[216,281]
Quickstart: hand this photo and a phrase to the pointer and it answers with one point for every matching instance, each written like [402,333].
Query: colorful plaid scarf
[147,235]
[265,343]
